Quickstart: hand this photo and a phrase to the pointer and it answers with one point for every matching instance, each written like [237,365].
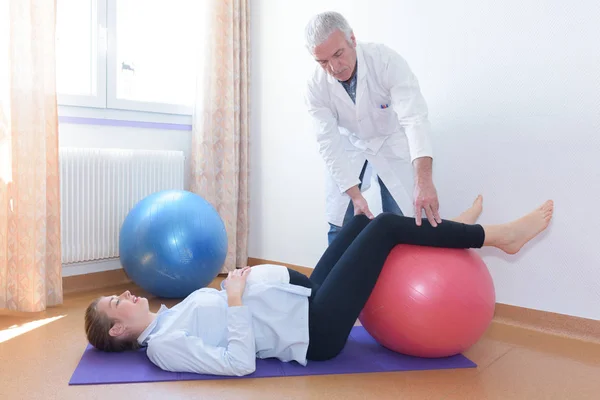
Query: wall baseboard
[553,323]
[94,281]
[556,324]
[89,267]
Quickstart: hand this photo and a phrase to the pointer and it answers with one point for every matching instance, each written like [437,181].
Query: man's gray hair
[322,25]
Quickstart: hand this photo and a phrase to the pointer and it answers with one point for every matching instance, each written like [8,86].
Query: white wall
[513,90]
[89,135]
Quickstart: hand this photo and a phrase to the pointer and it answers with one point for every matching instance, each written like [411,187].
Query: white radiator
[98,187]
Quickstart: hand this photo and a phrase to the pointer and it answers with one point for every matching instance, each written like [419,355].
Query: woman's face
[128,311]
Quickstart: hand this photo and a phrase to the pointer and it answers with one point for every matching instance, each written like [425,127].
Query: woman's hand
[235,284]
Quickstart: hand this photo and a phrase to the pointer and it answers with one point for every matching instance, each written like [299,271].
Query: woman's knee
[384,216]
[361,217]
[387,218]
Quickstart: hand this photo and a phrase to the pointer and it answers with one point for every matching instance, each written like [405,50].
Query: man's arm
[425,193]
[332,151]
[411,108]
[359,202]
[423,169]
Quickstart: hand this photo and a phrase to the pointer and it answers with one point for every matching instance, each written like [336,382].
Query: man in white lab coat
[368,112]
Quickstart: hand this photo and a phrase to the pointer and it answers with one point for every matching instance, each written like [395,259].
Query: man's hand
[426,197]
[359,202]
[235,284]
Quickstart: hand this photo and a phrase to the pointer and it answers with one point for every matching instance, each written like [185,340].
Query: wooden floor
[38,354]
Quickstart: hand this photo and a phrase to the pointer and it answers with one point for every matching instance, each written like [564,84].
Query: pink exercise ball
[430,302]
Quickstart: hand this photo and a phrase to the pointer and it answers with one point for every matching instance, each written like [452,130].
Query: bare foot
[471,215]
[515,234]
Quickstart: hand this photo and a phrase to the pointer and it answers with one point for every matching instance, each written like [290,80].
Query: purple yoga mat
[361,355]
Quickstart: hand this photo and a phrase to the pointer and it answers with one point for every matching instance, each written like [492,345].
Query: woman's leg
[336,249]
[343,294]
[338,302]
[354,227]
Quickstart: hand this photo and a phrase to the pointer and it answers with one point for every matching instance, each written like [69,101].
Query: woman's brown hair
[97,327]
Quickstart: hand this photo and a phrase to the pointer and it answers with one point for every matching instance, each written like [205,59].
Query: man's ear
[353,39]
[117,330]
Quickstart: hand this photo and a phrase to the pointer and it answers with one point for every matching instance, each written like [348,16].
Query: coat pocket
[385,120]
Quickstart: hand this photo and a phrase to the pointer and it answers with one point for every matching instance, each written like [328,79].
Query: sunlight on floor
[16,330]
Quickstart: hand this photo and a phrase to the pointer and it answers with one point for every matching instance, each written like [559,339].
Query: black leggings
[347,272]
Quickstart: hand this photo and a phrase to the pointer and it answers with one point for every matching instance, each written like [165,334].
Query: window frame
[98,100]
[106,97]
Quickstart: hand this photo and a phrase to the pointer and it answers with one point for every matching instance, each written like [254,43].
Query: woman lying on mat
[273,312]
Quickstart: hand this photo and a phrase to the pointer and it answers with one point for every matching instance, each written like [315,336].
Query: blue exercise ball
[172,243]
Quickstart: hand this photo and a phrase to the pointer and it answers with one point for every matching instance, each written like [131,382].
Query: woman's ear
[117,330]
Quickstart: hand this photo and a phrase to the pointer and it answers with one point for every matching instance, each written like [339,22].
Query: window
[129,54]
[81,52]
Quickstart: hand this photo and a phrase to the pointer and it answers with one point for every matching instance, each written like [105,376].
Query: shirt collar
[352,81]
[146,332]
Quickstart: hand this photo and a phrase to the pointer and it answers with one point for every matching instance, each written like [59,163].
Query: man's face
[337,56]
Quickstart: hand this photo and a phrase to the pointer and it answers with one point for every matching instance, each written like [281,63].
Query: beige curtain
[219,156]
[30,253]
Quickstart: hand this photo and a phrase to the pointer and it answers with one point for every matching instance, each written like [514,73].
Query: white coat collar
[362,71]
